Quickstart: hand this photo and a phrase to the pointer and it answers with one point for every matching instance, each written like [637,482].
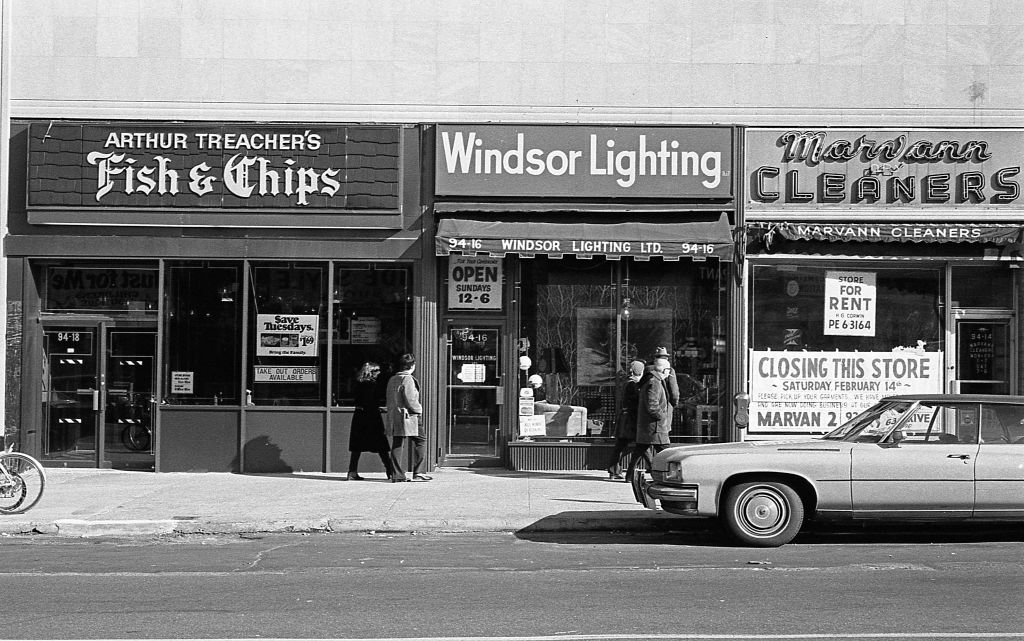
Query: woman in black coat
[367,425]
[625,427]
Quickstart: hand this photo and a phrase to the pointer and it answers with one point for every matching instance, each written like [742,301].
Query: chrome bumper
[676,493]
[647,492]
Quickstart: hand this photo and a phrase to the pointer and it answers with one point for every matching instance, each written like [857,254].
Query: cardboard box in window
[562,420]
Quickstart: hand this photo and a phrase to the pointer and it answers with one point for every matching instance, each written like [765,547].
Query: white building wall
[856,62]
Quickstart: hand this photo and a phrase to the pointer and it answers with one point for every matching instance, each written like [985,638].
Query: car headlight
[675,471]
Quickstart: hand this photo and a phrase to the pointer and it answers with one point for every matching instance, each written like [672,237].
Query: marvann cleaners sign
[582,161]
[934,173]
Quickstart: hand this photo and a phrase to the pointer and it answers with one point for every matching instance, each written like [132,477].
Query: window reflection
[372,319]
[203,334]
[287,334]
[586,320]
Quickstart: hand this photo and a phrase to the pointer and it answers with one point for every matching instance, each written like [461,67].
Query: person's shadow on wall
[263,456]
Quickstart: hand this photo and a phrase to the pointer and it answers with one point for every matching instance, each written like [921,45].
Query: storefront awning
[912,233]
[698,240]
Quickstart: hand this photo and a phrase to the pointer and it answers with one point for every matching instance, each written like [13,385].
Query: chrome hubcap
[763,512]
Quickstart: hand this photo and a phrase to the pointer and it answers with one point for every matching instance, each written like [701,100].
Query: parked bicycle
[21,482]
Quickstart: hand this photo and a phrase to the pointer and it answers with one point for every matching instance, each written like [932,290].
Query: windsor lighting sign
[583,162]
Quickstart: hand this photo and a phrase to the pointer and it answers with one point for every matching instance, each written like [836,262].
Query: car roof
[959,398]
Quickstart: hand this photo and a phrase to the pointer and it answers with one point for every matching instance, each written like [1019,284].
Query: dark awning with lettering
[698,240]
[891,233]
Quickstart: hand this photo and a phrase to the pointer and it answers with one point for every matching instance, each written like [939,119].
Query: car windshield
[872,425]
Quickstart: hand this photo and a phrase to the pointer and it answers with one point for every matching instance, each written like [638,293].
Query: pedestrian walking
[403,420]
[654,416]
[625,427]
[367,433]
[671,382]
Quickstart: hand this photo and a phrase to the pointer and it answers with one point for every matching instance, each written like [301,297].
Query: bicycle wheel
[135,438]
[21,482]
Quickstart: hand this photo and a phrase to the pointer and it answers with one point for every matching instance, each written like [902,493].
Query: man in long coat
[402,421]
[670,381]
[654,414]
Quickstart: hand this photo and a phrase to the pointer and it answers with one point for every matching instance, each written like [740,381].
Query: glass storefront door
[130,363]
[474,390]
[982,356]
[98,395]
[71,394]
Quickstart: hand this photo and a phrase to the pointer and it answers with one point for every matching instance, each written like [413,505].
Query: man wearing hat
[670,381]
[654,414]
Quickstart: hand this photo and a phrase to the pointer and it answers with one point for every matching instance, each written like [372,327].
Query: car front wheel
[763,513]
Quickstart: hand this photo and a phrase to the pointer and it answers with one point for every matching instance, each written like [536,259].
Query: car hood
[686,451]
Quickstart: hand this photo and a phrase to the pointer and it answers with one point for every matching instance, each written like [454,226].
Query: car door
[999,468]
[928,473]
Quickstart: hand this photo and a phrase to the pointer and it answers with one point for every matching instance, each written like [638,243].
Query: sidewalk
[91,502]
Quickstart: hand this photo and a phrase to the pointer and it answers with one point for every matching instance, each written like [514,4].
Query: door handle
[95,396]
[962,457]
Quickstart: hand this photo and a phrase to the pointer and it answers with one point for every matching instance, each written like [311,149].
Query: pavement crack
[262,554]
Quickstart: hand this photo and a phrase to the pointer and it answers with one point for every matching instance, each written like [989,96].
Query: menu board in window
[474,356]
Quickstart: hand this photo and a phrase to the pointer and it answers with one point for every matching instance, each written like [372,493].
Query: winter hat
[535,380]
[636,368]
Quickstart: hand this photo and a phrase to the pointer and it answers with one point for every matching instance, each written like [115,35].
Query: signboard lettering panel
[847,171]
[815,392]
[286,334]
[850,299]
[107,165]
[474,282]
[569,161]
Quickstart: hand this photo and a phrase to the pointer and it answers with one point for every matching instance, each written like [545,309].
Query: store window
[987,286]
[867,309]
[586,320]
[115,289]
[203,333]
[372,321]
[287,334]
[827,342]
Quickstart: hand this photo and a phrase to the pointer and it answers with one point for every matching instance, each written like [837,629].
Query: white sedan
[928,457]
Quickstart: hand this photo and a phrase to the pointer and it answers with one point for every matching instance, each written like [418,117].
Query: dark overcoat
[367,422]
[626,425]
[654,415]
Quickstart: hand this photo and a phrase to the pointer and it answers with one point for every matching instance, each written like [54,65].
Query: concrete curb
[83,528]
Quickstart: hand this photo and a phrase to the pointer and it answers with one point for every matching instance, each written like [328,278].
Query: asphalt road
[917,584]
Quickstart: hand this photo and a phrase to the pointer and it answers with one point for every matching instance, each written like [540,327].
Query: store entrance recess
[98,396]
[983,356]
[474,391]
